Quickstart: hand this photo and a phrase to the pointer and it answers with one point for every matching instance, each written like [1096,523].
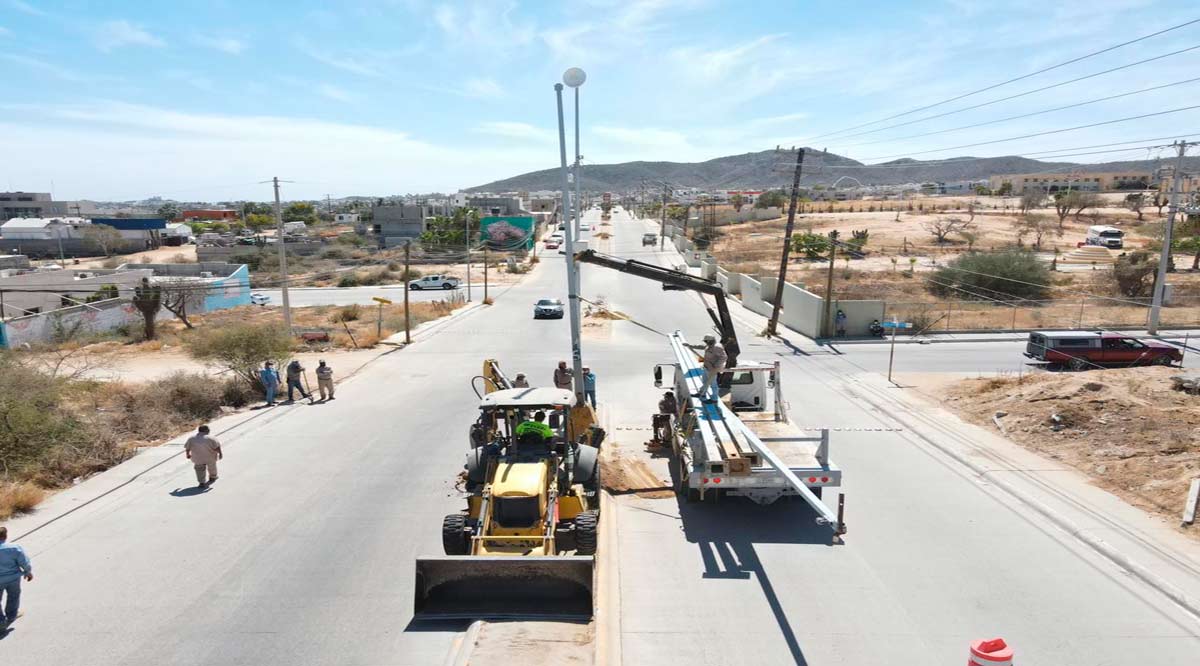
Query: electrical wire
[1024,115]
[1015,79]
[1036,134]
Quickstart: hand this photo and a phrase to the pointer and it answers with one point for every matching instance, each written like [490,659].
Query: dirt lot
[1127,429]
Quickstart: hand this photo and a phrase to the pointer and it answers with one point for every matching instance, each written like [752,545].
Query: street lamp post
[574,78]
[578,158]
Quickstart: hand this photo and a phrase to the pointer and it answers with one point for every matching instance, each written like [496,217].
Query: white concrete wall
[50,286]
[730,281]
[859,315]
[801,310]
[708,268]
[98,317]
[752,296]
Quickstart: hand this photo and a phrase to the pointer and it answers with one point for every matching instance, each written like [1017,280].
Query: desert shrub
[348,280]
[180,258]
[112,262]
[237,393]
[190,395]
[19,498]
[410,274]
[1008,275]
[518,268]
[253,260]
[346,314]
[1133,275]
[335,253]
[33,417]
[812,246]
[242,348]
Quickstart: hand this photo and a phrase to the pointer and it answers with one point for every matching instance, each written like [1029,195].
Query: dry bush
[112,262]
[180,258]
[347,314]
[18,498]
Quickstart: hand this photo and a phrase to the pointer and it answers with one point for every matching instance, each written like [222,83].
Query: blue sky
[202,99]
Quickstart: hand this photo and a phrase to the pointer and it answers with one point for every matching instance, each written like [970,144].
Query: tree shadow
[190,491]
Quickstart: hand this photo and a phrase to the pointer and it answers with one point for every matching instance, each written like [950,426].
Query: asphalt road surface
[302,552]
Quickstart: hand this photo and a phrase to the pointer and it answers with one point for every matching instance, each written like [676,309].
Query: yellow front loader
[524,545]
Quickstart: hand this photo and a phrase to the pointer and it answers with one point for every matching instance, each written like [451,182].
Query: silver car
[548,308]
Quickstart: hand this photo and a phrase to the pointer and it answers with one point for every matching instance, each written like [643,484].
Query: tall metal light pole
[1160,284]
[577,74]
[573,77]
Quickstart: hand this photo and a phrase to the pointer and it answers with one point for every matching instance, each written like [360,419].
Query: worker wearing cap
[520,381]
[714,364]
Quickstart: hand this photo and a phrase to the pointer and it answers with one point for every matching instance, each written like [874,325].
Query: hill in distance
[769,169]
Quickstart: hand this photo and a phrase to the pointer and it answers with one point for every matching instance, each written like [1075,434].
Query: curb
[464,646]
[911,340]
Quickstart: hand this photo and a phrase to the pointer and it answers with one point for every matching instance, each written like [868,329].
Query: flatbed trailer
[759,455]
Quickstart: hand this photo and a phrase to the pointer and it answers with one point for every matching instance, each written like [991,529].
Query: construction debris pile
[1128,429]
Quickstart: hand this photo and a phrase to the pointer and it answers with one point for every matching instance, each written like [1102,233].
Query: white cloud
[488,27]
[335,93]
[484,88]
[43,67]
[644,137]
[26,8]
[516,130]
[228,45]
[115,34]
[190,78]
[355,64]
[119,149]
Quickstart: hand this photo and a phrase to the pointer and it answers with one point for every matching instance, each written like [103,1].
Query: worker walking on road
[295,372]
[204,452]
[562,376]
[840,321]
[269,377]
[589,385]
[14,565]
[325,380]
[520,381]
[714,365]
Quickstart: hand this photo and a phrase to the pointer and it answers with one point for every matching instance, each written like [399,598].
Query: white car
[434,282]
[259,299]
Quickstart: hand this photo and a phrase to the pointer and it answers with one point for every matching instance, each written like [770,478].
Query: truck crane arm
[673,280]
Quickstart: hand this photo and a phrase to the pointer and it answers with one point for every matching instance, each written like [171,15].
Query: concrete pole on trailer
[569,238]
[578,158]
[283,268]
[892,352]
[662,228]
[1160,283]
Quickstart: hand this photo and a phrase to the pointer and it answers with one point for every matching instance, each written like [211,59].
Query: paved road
[302,553]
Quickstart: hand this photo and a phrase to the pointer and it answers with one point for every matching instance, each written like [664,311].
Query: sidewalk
[992,336]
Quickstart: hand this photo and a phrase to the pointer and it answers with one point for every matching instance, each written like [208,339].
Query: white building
[43,228]
[345,218]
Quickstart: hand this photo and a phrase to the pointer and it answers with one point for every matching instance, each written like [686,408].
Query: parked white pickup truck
[434,282]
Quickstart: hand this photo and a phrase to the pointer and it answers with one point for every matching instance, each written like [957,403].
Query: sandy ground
[1127,429]
[162,255]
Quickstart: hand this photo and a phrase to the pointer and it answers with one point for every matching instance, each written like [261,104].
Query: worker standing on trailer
[714,364]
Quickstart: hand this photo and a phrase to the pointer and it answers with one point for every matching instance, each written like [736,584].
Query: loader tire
[586,536]
[454,534]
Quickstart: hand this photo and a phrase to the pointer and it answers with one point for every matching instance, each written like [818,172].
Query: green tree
[300,211]
[168,211]
[1133,274]
[1008,275]
[1005,189]
[444,231]
[813,246]
[242,348]
[104,293]
[147,298]
[737,201]
[1135,202]
[771,199]
[259,221]
[105,238]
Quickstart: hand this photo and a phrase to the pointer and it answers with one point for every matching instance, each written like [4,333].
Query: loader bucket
[481,587]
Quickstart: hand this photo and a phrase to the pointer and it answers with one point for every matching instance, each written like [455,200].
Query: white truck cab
[1105,236]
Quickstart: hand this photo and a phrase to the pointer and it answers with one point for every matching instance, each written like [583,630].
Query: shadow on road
[190,491]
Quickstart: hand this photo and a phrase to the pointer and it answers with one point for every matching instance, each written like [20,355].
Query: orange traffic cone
[990,653]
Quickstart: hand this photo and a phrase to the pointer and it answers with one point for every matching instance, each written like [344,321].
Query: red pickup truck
[1080,350]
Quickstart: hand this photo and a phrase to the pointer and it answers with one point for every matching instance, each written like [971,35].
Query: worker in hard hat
[714,364]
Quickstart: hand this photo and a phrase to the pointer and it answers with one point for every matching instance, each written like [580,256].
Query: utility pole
[662,229]
[467,233]
[787,245]
[287,304]
[825,309]
[407,273]
[329,207]
[1160,283]
[572,273]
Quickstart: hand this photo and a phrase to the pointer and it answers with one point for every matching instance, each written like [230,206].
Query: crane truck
[735,449]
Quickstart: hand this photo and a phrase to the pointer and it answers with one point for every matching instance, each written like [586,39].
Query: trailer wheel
[1077,364]
[454,534]
[586,536]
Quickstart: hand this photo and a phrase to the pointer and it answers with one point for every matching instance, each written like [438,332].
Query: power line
[1036,134]
[1023,94]
[1024,115]
[1013,80]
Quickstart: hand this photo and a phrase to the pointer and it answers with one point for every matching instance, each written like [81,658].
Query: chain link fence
[1085,312]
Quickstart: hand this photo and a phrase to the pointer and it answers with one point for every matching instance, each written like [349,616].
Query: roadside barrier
[994,652]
